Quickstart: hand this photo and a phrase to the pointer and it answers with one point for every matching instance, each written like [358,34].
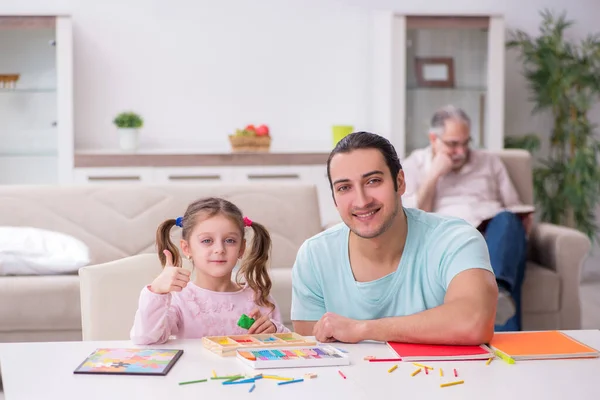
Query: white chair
[110,294]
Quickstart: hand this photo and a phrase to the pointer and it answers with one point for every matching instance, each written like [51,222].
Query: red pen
[342,374]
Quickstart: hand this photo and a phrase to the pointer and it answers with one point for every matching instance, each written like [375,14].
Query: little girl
[211,304]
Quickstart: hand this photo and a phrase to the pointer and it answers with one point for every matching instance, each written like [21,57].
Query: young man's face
[363,190]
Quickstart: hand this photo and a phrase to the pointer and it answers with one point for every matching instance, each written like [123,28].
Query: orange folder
[540,345]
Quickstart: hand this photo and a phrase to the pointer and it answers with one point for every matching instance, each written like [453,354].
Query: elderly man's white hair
[449,112]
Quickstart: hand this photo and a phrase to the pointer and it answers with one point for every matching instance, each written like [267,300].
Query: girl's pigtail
[163,242]
[254,265]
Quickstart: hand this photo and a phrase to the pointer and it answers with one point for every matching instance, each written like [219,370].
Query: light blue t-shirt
[436,250]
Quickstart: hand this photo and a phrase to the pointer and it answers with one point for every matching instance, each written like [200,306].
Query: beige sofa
[120,221]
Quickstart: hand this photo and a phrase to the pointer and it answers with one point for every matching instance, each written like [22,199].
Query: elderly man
[450,179]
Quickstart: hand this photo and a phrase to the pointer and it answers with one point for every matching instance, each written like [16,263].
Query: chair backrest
[110,294]
[518,164]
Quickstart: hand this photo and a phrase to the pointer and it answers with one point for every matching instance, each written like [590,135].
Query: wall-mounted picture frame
[435,72]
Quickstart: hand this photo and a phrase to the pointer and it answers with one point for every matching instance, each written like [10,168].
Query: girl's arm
[155,320]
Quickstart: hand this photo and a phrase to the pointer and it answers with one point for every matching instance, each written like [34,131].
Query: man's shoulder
[325,240]
[418,156]
[431,226]
[487,157]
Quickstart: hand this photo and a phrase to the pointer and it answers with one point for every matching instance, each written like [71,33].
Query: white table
[32,371]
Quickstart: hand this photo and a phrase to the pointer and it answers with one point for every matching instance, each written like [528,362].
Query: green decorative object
[564,83]
[341,131]
[128,120]
[245,321]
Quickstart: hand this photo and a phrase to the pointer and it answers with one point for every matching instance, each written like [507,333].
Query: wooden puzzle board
[228,345]
[292,357]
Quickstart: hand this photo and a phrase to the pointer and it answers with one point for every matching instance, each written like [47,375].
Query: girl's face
[215,245]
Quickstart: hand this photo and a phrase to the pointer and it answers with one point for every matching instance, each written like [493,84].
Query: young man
[390,273]
[450,179]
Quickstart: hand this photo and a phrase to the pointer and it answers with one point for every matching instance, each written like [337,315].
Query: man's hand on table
[332,327]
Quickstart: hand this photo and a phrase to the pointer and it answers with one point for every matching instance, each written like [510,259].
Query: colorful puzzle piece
[245,322]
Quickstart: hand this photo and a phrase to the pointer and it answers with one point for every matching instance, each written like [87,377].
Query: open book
[521,210]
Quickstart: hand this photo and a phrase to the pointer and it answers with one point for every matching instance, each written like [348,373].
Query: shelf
[27,90]
[449,89]
[41,153]
[110,159]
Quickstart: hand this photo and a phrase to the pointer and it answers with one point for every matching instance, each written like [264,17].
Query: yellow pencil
[508,359]
[489,361]
[393,368]
[415,372]
[452,383]
[278,378]
[441,372]
[422,366]
[214,373]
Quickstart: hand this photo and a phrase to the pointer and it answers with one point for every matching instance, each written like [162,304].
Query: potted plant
[564,81]
[128,124]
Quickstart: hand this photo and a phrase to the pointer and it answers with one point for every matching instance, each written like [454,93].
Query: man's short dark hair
[367,140]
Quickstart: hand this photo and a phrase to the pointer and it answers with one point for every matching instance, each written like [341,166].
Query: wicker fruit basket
[248,144]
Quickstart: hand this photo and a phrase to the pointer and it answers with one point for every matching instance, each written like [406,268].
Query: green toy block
[245,321]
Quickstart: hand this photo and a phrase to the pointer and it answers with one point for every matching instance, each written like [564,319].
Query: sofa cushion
[541,289]
[39,303]
[33,251]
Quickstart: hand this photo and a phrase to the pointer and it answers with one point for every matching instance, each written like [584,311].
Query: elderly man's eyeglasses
[453,144]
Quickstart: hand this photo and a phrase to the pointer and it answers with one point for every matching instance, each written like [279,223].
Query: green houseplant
[128,124]
[564,80]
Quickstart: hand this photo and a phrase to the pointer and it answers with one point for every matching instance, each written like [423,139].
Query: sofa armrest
[563,250]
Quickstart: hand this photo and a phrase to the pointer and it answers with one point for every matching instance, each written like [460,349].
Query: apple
[262,130]
[250,127]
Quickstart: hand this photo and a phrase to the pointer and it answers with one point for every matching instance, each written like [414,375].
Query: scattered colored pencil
[214,373]
[489,361]
[455,373]
[293,381]
[422,366]
[342,374]
[505,357]
[252,388]
[452,383]
[426,371]
[188,382]
[277,378]
[415,372]
[441,372]
[393,368]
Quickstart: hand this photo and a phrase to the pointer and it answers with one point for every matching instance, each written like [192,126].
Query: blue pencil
[252,388]
[294,381]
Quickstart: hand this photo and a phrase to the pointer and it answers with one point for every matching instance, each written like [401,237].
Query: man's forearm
[452,323]
[426,194]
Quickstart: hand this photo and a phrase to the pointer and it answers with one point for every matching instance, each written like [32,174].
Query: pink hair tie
[247,221]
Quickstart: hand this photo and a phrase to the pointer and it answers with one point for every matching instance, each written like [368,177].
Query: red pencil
[342,374]
[455,373]
[385,360]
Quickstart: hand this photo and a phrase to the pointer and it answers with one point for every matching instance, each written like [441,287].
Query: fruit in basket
[251,130]
[262,130]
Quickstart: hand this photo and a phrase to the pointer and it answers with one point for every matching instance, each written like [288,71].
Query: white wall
[197,69]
